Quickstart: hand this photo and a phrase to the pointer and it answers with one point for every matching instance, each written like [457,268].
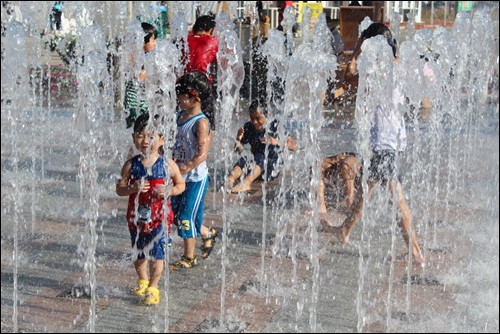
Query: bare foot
[322,210]
[337,231]
[230,182]
[240,188]
[417,259]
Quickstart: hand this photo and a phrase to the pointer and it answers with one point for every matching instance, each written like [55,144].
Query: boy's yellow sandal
[184,263]
[151,296]
[140,287]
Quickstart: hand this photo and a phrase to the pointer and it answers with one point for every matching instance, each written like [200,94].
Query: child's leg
[321,195]
[208,236]
[245,185]
[235,174]
[327,170]
[350,168]
[189,217]
[343,232]
[405,223]
[189,246]
[155,269]
[141,268]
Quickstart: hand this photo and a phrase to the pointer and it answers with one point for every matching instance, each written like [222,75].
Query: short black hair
[257,104]
[150,30]
[376,29]
[198,83]
[142,121]
[204,23]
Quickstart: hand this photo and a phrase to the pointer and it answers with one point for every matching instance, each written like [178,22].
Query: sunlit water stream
[63,225]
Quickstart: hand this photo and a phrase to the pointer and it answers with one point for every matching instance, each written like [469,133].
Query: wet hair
[380,29]
[197,84]
[142,121]
[258,105]
[150,30]
[204,23]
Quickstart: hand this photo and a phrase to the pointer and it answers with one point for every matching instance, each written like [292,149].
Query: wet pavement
[244,283]
[49,259]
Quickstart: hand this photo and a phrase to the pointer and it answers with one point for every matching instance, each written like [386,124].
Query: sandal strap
[185,262]
[212,234]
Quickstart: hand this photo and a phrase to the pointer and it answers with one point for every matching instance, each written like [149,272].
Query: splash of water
[367,21]
[410,27]
[305,25]
[15,84]
[178,34]
[230,76]
[395,21]
[288,23]
[95,102]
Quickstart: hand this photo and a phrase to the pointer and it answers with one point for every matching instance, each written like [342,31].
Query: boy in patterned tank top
[143,180]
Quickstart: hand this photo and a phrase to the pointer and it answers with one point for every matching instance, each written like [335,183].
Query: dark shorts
[382,166]
[272,162]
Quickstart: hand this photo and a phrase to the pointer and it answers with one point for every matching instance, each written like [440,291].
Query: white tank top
[186,147]
[388,130]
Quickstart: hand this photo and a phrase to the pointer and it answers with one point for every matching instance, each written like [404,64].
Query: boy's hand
[240,134]
[272,141]
[160,190]
[137,186]
[142,75]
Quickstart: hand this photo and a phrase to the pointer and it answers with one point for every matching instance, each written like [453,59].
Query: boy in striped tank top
[190,153]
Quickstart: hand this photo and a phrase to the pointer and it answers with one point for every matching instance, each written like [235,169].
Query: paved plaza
[273,269]
[50,263]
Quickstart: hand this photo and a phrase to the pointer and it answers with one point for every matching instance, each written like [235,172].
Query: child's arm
[142,75]
[201,131]
[178,183]
[123,186]
[239,136]
[350,79]
[290,144]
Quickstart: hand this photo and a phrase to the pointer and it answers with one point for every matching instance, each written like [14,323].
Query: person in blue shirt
[253,132]
[55,16]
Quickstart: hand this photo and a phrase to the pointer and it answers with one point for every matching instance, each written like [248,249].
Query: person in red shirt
[283,5]
[203,48]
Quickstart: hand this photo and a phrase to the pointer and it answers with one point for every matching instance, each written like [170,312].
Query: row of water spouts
[305,68]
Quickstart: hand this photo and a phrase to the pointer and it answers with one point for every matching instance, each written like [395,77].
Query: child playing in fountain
[254,133]
[143,180]
[134,104]
[190,153]
[202,57]
[388,139]
[344,167]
